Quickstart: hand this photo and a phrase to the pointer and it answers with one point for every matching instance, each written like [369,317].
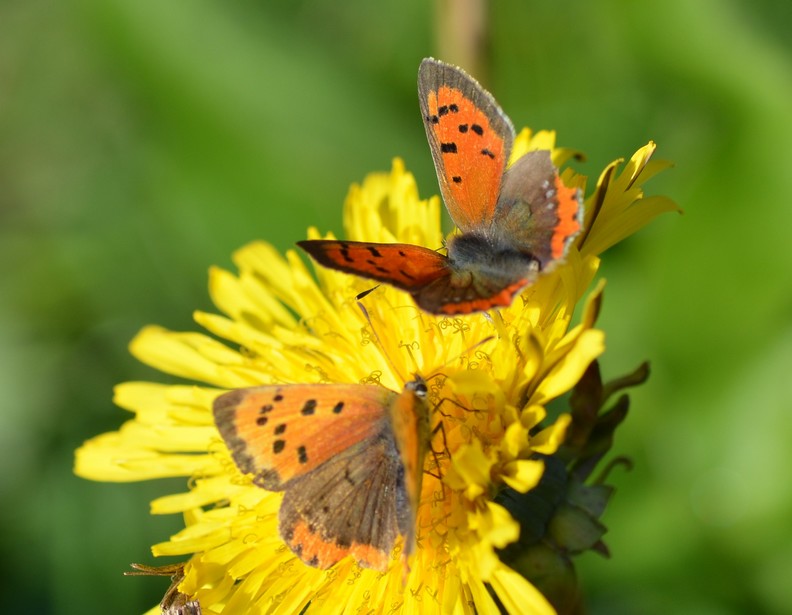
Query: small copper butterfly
[348,457]
[515,223]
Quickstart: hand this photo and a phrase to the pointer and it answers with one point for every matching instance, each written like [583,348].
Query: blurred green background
[143,141]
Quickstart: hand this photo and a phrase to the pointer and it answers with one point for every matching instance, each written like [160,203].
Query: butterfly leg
[437,455]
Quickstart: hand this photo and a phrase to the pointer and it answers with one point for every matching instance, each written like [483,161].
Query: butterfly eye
[420,389]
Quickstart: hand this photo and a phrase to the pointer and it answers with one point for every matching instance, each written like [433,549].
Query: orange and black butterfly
[348,457]
[515,222]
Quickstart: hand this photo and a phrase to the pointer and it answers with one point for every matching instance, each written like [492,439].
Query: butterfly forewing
[402,265]
[279,432]
[470,138]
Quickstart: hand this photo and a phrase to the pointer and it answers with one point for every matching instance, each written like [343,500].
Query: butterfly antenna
[439,372]
[467,350]
[366,293]
[381,346]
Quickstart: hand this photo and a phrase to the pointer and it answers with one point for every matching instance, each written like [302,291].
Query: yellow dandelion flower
[283,325]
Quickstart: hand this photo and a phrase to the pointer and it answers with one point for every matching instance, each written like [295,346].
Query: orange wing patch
[323,553]
[278,433]
[480,304]
[569,218]
[473,156]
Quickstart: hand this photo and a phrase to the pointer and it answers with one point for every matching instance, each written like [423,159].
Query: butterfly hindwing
[402,265]
[470,138]
[536,213]
[278,433]
[480,280]
[354,504]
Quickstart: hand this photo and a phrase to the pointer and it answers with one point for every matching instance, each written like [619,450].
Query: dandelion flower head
[491,377]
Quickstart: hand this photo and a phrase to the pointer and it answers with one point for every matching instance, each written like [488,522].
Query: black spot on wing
[463,128]
[448,148]
[338,407]
[486,152]
[278,446]
[441,111]
[280,429]
[453,108]
[345,255]
[374,252]
[302,455]
[456,179]
[377,267]
[477,129]
[263,411]
[309,408]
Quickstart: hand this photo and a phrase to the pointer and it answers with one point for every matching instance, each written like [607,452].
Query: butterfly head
[417,387]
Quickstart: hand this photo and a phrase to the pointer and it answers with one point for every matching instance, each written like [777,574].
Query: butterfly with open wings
[515,222]
[348,457]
